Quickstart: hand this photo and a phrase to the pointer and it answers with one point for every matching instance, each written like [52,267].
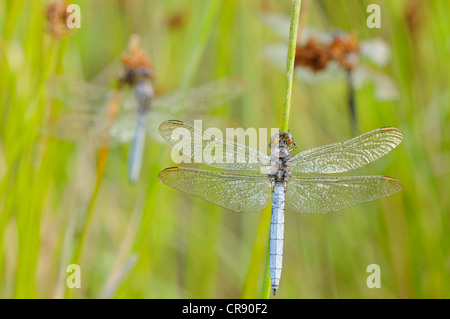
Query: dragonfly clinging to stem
[301,181]
[94,117]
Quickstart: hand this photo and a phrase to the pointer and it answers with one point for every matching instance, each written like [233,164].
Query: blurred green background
[150,241]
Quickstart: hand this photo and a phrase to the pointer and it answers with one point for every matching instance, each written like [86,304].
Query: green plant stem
[295,15]
[267,284]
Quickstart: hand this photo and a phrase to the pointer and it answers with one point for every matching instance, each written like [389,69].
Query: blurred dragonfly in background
[302,181]
[93,113]
[325,57]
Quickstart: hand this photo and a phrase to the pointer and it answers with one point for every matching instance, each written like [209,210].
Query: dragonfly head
[143,72]
[283,140]
[137,65]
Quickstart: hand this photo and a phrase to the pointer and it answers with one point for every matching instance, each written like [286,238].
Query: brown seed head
[316,55]
[57,15]
[136,62]
[312,55]
[342,48]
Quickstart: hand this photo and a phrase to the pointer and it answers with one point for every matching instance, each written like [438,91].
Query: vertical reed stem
[295,14]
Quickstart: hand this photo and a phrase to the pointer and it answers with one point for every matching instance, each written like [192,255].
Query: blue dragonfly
[93,112]
[87,117]
[303,181]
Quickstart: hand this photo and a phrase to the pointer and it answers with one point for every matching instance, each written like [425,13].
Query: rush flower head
[344,48]
[136,63]
[316,55]
[57,15]
[312,55]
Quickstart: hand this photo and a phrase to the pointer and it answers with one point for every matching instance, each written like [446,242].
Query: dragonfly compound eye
[289,139]
[275,139]
[286,139]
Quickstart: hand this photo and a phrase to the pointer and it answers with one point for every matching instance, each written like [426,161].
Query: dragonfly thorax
[144,94]
[133,75]
[281,144]
[139,77]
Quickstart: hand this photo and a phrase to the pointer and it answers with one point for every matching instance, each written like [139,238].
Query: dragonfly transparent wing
[88,126]
[156,118]
[385,87]
[377,51]
[276,53]
[91,127]
[78,94]
[86,115]
[280,24]
[212,150]
[84,96]
[200,99]
[349,155]
[76,127]
[237,191]
[124,127]
[312,194]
